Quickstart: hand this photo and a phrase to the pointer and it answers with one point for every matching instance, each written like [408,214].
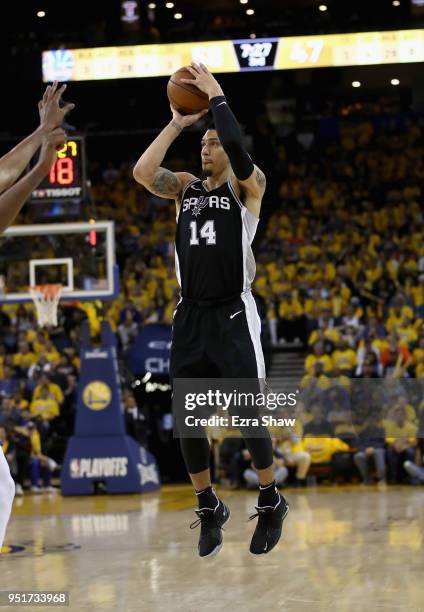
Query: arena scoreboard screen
[284,53]
[67,177]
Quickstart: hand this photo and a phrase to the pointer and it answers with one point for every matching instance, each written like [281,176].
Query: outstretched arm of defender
[148,170]
[12,200]
[51,116]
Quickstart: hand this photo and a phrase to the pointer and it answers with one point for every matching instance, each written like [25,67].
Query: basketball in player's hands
[185,98]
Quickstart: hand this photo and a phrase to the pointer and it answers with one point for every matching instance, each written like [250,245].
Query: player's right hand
[185,120]
[51,113]
[52,142]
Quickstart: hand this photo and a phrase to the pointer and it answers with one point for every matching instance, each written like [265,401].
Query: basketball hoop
[46,300]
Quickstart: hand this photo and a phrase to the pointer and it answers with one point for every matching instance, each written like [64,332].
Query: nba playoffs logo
[103,467]
[97,395]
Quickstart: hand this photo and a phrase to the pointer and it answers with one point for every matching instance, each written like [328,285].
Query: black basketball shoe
[211,521]
[269,526]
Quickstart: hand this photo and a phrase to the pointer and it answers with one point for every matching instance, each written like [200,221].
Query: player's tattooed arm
[177,126]
[252,190]
[148,170]
[165,184]
[255,185]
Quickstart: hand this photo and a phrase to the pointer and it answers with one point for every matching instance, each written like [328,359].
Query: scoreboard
[283,53]
[67,177]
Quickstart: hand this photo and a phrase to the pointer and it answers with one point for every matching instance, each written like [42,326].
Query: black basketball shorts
[217,340]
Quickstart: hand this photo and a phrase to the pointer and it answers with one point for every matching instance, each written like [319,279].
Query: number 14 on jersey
[207,232]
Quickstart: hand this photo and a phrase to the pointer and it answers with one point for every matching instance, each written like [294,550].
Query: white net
[46,300]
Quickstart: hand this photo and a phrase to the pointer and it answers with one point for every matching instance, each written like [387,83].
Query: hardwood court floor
[343,549]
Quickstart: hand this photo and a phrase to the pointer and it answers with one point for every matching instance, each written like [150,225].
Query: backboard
[80,256]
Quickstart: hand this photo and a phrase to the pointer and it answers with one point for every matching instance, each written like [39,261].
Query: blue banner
[100,451]
[117,461]
[150,350]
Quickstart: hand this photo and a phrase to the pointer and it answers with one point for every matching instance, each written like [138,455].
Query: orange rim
[49,292]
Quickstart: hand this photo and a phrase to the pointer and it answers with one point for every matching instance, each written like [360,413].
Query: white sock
[7,493]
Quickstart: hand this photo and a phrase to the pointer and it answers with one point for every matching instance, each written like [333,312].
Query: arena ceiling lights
[335,50]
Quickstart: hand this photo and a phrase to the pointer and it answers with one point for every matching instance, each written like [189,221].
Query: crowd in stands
[340,272]
[38,393]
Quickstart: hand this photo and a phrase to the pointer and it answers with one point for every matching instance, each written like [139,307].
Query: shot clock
[66,179]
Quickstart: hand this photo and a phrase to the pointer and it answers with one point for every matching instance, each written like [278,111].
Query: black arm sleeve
[231,139]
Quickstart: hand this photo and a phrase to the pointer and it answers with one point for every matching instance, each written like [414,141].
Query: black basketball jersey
[213,255]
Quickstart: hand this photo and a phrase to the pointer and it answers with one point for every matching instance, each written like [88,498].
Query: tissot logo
[69,192]
[99,467]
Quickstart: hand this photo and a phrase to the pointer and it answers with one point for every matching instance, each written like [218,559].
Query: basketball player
[13,196]
[216,328]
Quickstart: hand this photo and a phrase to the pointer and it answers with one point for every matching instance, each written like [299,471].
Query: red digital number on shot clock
[62,172]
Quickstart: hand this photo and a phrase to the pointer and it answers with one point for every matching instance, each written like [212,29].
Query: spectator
[351,318]
[291,447]
[371,448]
[9,411]
[23,319]
[44,405]
[135,419]
[9,382]
[65,367]
[251,476]
[344,358]
[40,465]
[24,358]
[365,350]
[401,440]
[318,355]
[318,426]
[130,307]
[53,389]
[70,393]
[127,331]
[316,380]
[41,366]
[291,320]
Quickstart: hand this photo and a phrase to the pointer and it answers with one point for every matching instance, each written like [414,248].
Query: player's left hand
[204,80]
[51,112]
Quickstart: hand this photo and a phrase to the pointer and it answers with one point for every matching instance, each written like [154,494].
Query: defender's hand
[183,121]
[52,142]
[51,113]
[204,80]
